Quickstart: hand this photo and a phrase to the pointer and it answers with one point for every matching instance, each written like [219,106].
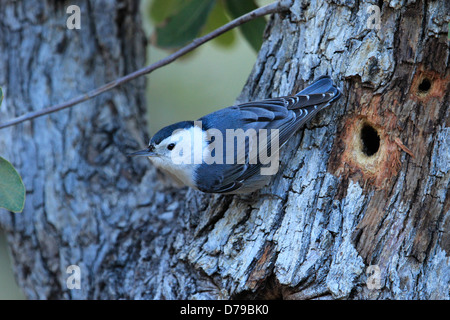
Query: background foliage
[180,21]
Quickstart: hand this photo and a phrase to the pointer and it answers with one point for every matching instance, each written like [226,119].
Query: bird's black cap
[167,131]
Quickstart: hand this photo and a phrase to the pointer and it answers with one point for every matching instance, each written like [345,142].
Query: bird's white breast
[183,173]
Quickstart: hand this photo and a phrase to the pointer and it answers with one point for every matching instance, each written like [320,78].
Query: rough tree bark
[363,189]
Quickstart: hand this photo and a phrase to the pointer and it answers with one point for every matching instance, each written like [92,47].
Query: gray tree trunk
[360,208]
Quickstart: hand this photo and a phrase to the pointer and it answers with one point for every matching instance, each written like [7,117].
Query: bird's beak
[146,152]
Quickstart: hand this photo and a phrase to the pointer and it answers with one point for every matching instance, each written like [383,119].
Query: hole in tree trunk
[370,140]
[424,86]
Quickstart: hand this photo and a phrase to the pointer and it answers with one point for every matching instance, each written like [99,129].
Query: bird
[227,151]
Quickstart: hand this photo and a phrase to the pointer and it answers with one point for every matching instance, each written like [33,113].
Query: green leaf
[252,30]
[1,96]
[12,189]
[159,10]
[185,25]
[216,19]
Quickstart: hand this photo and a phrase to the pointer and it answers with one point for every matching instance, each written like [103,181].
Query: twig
[268,9]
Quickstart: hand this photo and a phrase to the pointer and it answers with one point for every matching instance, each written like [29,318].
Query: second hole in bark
[424,86]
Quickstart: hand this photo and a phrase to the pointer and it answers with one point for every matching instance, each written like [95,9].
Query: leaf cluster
[181,21]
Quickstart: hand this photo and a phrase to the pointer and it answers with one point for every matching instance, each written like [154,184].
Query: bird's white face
[179,153]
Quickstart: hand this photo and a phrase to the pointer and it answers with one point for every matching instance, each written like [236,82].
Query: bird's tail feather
[322,85]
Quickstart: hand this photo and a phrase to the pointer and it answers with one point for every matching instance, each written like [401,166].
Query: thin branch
[268,9]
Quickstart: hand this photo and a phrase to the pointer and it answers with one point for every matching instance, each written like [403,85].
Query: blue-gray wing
[285,114]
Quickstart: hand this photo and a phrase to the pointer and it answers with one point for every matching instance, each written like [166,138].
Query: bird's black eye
[171,146]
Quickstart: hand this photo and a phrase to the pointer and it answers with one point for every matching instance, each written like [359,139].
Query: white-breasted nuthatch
[201,154]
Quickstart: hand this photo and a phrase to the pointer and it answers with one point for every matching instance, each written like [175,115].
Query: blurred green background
[209,79]
[203,81]
[8,286]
